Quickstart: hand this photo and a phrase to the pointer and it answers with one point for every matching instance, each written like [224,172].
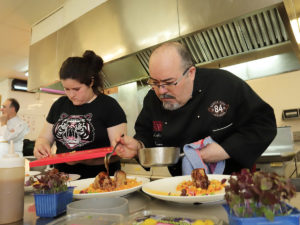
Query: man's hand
[213,153]
[128,147]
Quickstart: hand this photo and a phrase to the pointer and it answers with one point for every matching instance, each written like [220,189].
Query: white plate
[73,176]
[169,185]
[84,183]
[31,173]
[27,175]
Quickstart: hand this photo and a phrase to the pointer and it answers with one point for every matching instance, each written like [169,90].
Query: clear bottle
[12,174]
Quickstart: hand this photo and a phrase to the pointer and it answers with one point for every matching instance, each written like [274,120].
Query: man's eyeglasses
[154,83]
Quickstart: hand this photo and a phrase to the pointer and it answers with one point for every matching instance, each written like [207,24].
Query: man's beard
[169,105]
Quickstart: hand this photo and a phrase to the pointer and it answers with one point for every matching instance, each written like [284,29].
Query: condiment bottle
[12,174]
[4,146]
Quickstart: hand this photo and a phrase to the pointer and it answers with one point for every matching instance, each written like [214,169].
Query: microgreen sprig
[51,181]
[258,194]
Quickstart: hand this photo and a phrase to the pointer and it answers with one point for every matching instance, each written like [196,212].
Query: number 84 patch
[218,108]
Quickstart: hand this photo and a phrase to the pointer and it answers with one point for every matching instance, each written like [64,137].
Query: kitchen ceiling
[234,32]
[16,19]
[245,38]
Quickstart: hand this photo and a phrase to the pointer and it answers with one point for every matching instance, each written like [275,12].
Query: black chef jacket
[222,106]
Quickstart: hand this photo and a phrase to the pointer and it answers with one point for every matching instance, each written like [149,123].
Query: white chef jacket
[15,130]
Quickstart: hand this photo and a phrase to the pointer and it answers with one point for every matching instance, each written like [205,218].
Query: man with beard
[187,104]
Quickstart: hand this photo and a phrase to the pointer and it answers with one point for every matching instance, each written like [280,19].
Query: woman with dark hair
[83,119]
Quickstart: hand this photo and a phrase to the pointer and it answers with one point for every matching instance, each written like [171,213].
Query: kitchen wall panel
[281,92]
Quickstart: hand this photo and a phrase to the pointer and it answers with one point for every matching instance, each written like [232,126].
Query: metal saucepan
[159,156]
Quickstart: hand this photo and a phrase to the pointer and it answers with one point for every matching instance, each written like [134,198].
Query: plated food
[104,186]
[200,185]
[167,218]
[195,188]
[158,220]
[104,183]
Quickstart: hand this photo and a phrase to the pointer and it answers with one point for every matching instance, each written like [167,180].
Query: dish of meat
[119,185]
[166,189]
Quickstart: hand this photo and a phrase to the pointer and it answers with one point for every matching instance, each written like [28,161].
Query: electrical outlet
[296,135]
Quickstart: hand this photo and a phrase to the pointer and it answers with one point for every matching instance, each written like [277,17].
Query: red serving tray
[72,156]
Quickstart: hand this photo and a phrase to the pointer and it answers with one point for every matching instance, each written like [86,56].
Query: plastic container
[12,174]
[85,218]
[292,219]
[51,205]
[168,217]
[111,205]
[4,146]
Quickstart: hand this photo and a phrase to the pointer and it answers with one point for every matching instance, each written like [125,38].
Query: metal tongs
[108,155]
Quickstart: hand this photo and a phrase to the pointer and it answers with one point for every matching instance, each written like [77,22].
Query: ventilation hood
[124,32]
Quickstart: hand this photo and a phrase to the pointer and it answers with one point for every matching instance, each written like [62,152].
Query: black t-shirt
[84,127]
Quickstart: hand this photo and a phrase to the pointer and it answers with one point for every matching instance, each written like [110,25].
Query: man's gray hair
[185,55]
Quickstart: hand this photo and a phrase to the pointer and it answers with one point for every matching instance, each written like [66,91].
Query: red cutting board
[72,156]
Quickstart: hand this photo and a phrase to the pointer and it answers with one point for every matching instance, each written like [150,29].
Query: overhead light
[21,88]
[295,28]
[19,85]
[26,73]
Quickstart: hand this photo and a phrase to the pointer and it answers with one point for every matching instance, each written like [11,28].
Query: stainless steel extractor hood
[124,32]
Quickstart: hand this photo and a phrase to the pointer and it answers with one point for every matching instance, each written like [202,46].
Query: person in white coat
[12,127]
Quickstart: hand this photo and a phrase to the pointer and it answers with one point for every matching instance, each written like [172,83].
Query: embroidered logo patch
[218,108]
[157,126]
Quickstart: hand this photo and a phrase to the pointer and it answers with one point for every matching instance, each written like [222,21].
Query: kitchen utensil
[159,156]
[108,155]
[71,156]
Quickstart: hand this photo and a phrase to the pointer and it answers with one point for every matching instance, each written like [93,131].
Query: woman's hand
[42,148]
[128,147]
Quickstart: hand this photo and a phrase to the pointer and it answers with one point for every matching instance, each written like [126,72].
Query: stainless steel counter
[139,201]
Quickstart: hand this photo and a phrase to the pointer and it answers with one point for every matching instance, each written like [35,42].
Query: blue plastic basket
[51,205]
[292,219]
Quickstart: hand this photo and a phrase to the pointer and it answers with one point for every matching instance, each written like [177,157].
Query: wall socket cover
[296,135]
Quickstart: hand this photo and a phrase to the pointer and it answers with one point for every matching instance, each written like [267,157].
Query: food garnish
[168,220]
[258,194]
[51,181]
